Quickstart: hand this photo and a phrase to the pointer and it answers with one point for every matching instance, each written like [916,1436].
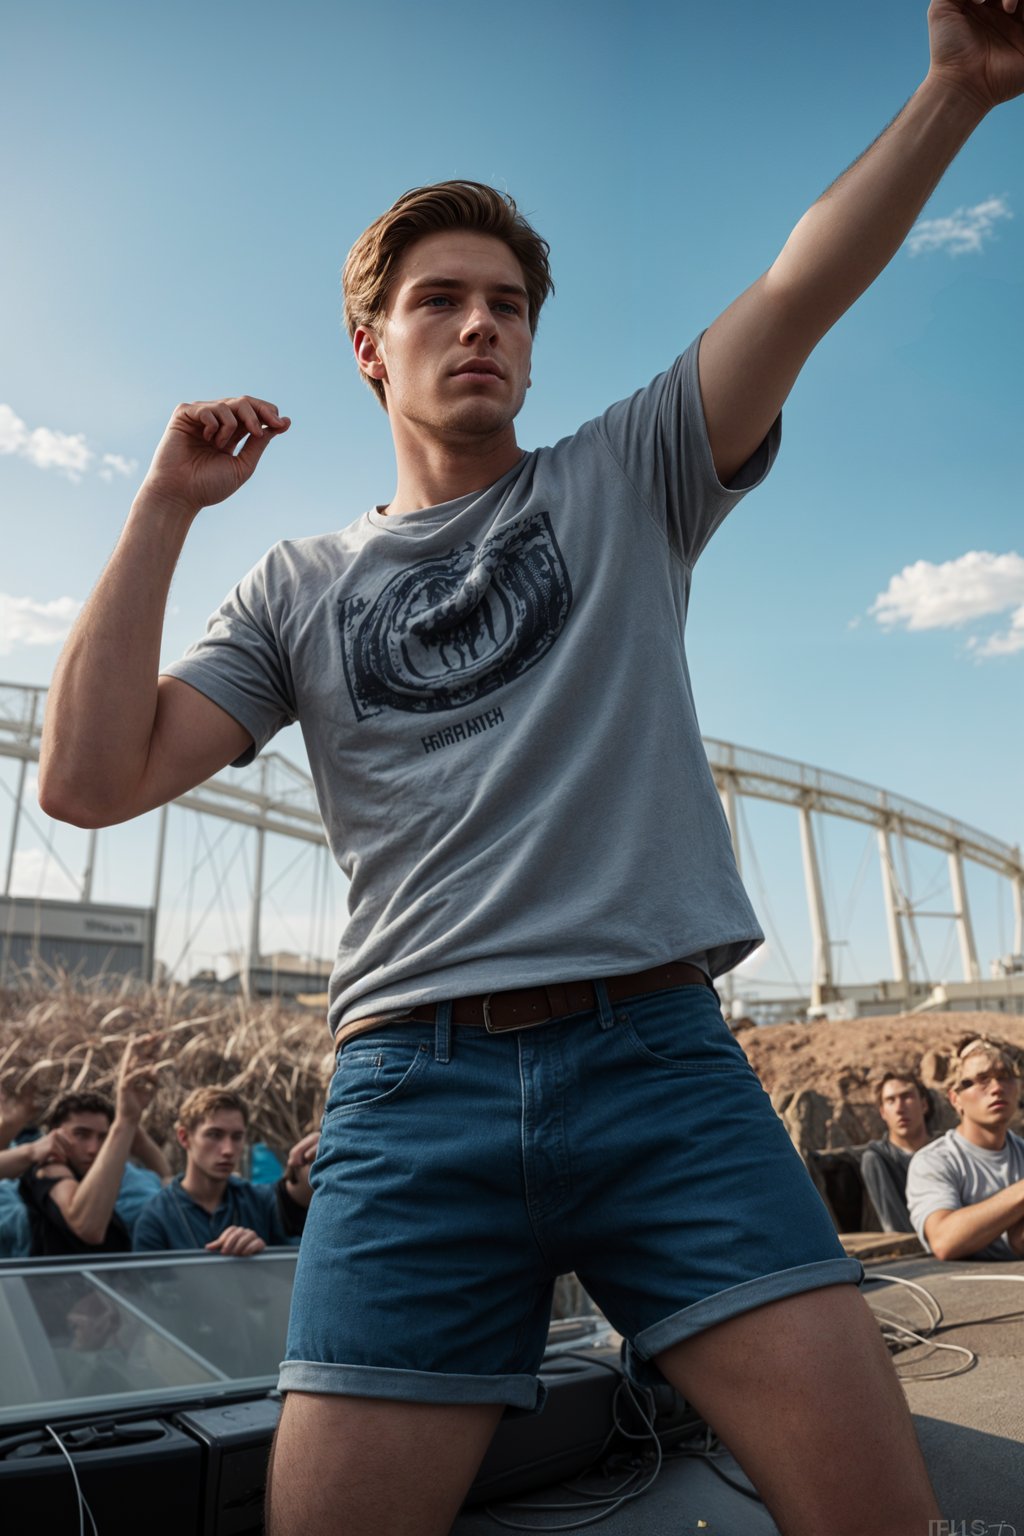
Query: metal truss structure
[282,801]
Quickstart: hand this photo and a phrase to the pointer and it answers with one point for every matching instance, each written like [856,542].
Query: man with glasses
[966,1189]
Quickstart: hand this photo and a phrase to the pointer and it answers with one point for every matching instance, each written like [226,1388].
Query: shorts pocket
[683,1030]
[369,1074]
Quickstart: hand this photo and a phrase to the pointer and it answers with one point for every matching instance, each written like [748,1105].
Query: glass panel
[112,1331]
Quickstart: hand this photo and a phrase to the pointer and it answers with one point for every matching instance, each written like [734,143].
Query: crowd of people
[93,1181]
[962,1192]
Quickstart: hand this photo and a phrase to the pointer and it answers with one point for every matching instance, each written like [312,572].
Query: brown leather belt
[524,1008]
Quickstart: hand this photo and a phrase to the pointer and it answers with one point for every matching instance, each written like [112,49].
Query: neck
[990,1139]
[433,470]
[911,1141]
[203,1187]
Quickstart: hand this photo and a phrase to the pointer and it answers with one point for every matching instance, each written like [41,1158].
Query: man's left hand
[237,1243]
[977,46]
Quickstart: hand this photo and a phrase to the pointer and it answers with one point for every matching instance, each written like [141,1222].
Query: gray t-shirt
[497,709]
[952,1172]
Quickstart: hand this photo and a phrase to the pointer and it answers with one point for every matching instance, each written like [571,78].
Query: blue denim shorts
[460,1172]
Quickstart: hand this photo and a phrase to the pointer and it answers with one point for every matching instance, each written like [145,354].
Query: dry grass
[60,1033]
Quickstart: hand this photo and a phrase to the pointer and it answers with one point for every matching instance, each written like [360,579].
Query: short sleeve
[931,1186]
[241,663]
[659,439]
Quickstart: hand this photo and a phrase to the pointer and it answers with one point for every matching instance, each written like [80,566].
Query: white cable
[896,1332]
[83,1503]
[926,1298]
[610,1500]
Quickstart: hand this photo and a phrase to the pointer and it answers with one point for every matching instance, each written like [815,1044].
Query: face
[216,1144]
[902,1108]
[454,351]
[85,1133]
[988,1093]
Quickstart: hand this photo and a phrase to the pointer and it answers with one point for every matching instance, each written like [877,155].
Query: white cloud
[961,233]
[113,464]
[23,621]
[66,452]
[958,592]
[37,873]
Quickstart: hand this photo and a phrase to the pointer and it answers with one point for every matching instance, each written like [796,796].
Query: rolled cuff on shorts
[525,1393]
[733,1302]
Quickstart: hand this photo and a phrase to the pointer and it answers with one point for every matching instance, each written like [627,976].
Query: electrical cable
[614,1498]
[83,1503]
[643,1403]
[895,1332]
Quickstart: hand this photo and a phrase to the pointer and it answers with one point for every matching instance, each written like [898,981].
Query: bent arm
[88,1205]
[751,356]
[146,1152]
[959,1234]
[118,739]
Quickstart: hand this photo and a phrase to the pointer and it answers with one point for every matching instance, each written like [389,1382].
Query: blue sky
[182,186]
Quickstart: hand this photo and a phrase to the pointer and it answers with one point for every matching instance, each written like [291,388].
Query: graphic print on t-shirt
[452,628]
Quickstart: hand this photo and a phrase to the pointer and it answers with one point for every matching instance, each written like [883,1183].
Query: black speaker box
[136,1476]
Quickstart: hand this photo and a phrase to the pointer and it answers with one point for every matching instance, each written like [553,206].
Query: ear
[369,358]
[182,1135]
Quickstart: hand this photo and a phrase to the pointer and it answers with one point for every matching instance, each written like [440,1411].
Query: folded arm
[751,356]
[958,1234]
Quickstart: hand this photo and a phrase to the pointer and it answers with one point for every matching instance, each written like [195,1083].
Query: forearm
[967,1231]
[102,702]
[852,232]
[15,1161]
[146,1151]
[92,1204]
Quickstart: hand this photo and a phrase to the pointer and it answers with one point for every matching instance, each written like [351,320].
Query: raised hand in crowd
[136,1078]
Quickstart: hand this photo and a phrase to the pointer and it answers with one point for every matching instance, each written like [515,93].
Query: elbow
[86,1231]
[60,802]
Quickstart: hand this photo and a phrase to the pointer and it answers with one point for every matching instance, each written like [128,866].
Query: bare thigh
[804,1394]
[359,1466]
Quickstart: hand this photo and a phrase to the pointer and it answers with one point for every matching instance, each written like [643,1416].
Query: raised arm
[751,356]
[87,1205]
[118,739]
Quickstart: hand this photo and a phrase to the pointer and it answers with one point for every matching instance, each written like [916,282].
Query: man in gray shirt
[966,1190]
[905,1106]
[490,675]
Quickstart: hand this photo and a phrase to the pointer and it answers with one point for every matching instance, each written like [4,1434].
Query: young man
[966,1190]
[208,1206]
[490,676]
[905,1106]
[71,1202]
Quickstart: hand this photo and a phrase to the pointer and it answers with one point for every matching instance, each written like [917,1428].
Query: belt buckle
[507,1029]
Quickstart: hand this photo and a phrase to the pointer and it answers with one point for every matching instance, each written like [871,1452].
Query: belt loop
[605,1012]
[443,1032]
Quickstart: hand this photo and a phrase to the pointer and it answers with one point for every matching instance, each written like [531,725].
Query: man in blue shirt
[208,1206]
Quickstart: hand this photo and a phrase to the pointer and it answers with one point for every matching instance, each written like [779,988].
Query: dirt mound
[820,1076]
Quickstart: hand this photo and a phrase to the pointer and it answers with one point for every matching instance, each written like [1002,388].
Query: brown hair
[201,1103]
[79,1104]
[902,1075]
[369,271]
